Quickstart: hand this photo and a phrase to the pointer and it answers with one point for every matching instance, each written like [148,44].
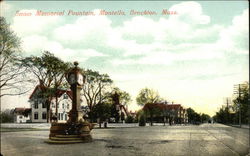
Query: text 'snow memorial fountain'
[76,129]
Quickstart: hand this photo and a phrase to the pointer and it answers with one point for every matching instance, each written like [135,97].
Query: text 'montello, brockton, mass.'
[94,13]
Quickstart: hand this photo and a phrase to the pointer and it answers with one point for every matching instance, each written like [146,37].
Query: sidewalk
[48,125]
[242,126]
[26,125]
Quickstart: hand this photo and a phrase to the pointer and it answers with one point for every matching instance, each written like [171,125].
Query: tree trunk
[48,108]
[151,119]
[56,109]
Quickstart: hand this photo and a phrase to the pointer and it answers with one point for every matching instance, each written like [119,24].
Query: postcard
[124,78]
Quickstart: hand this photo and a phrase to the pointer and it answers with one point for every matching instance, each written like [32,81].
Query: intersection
[189,140]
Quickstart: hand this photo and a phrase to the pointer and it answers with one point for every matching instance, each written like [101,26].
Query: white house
[22,115]
[39,109]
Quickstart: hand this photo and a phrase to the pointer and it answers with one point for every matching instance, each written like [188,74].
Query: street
[190,140]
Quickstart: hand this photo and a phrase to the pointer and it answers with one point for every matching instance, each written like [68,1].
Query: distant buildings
[171,113]
[22,115]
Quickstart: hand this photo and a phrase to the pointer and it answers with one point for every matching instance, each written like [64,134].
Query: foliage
[193,117]
[151,110]
[95,86]
[48,69]
[205,117]
[129,119]
[124,97]
[240,106]
[6,117]
[102,111]
[142,120]
[147,95]
[12,75]
[242,102]
[115,113]
[122,116]
[50,73]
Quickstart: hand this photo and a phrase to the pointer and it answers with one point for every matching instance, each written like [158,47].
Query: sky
[193,57]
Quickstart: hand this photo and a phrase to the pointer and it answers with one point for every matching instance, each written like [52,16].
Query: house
[174,113]
[22,115]
[178,113]
[39,112]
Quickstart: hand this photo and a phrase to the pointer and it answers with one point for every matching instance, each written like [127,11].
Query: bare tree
[95,86]
[12,75]
[147,95]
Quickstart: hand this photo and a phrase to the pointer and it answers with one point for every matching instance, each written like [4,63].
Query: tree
[12,75]
[220,116]
[95,86]
[101,111]
[193,117]
[50,73]
[147,95]
[152,110]
[240,108]
[141,118]
[242,102]
[205,117]
[6,116]
[129,119]
[123,98]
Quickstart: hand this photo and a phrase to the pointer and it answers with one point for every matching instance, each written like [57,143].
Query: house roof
[59,92]
[174,106]
[36,88]
[22,110]
[163,106]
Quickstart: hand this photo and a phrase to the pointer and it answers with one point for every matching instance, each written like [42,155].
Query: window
[36,104]
[36,115]
[59,116]
[66,116]
[52,104]
[63,105]
[67,106]
[65,96]
[44,105]
[20,117]
[44,116]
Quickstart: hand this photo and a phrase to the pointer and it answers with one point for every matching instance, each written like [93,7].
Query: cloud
[30,25]
[235,38]
[189,12]
[186,26]
[5,8]
[87,31]
[185,36]
[182,37]
[156,41]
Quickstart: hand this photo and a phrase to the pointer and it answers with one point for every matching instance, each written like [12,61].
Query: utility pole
[237,90]
[227,101]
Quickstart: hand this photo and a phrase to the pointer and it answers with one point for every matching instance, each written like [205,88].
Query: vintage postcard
[126,78]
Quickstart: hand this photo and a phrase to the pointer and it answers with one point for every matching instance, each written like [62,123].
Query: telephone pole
[228,102]
[238,90]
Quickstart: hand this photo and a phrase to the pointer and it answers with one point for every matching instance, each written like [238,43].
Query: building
[177,113]
[171,113]
[39,112]
[22,115]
